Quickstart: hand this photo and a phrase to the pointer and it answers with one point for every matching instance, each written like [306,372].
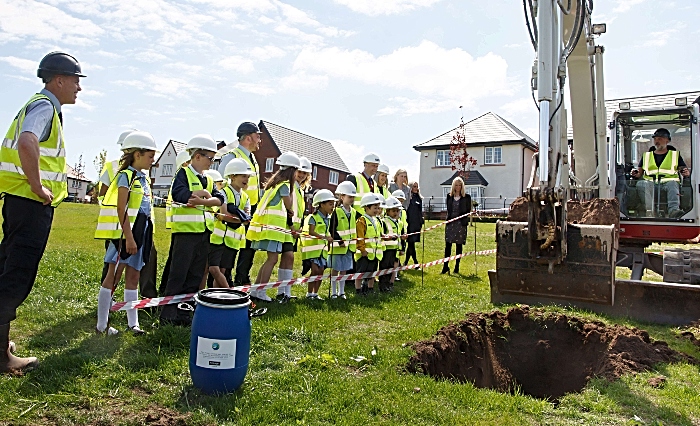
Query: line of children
[125,221]
[316,249]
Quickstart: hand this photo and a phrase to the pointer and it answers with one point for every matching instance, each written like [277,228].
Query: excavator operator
[661,165]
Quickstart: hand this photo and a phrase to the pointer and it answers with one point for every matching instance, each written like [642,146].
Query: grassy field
[301,371]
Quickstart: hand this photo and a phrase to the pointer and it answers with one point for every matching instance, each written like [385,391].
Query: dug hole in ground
[545,355]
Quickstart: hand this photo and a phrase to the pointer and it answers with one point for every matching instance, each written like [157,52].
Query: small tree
[100,161]
[459,157]
[80,168]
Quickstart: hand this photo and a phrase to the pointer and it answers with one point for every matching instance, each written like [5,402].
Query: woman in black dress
[458,204]
[414,217]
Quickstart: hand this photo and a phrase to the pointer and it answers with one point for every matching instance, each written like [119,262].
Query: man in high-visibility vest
[33,182]
[249,140]
[660,167]
[363,181]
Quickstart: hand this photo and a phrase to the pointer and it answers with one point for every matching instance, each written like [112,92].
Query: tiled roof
[641,102]
[74,175]
[316,150]
[179,146]
[475,178]
[488,128]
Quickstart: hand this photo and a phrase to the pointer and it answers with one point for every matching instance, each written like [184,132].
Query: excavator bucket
[586,274]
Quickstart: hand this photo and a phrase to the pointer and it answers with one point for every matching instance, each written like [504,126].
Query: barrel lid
[223,296]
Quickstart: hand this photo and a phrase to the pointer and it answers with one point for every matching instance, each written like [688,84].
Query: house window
[76,183]
[333,178]
[167,170]
[476,192]
[315,172]
[269,165]
[442,158]
[492,155]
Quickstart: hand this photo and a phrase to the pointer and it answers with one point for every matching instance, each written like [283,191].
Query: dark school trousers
[245,260]
[387,262]
[189,258]
[26,226]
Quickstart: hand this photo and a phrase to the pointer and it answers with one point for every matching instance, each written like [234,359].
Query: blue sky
[380,75]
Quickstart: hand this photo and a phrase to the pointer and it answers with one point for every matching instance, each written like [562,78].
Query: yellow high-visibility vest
[223,234]
[267,215]
[666,172]
[253,189]
[313,248]
[191,219]
[373,242]
[347,230]
[108,222]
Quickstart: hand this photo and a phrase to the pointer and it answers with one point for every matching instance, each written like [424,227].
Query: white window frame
[333,177]
[167,170]
[477,193]
[493,155]
[445,190]
[442,158]
[269,165]
[314,172]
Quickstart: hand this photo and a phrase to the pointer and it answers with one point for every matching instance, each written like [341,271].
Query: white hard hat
[371,158]
[237,166]
[123,136]
[346,188]
[399,194]
[214,175]
[369,199]
[392,203]
[305,165]
[381,199]
[182,158]
[323,195]
[139,140]
[204,142]
[383,168]
[288,159]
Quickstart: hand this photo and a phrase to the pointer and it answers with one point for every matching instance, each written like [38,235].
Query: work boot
[445,268]
[8,362]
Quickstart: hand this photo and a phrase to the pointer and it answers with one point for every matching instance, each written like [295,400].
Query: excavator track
[682,266]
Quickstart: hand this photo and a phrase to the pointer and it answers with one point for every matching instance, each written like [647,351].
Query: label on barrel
[215,353]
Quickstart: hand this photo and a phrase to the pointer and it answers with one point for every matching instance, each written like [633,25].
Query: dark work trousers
[26,226]
[245,260]
[166,269]
[189,258]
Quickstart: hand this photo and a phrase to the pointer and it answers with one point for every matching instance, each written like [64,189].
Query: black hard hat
[663,133]
[59,63]
[247,128]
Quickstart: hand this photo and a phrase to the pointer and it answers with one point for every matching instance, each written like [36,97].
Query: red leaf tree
[459,157]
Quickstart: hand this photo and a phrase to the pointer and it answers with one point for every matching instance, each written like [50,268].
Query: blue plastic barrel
[220,342]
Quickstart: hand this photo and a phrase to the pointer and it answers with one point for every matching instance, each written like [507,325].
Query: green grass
[301,370]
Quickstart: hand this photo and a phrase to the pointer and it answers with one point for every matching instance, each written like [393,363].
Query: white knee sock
[341,286]
[333,285]
[132,315]
[104,302]
[285,274]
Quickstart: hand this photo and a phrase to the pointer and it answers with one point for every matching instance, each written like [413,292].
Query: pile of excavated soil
[545,355]
[599,211]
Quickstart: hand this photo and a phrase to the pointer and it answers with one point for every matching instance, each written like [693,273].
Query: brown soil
[599,211]
[545,355]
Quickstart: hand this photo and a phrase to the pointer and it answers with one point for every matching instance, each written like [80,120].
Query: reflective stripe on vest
[108,222]
[111,168]
[393,228]
[52,160]
[362,189]
[190,219]
[223,234]
[253,189]
[313,248]
[347,230]
[298,207]
[267,215]
[373,243]
[666,172]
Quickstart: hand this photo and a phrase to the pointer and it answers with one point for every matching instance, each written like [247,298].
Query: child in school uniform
[369,241]
[314,247]
[403,219]
[392,230]
[125,220]
[343,229]
[270,229]
[194,195]
[228,235]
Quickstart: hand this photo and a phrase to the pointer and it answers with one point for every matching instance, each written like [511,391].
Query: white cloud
[660,38]
[351,153]
[24,19]
[255,88]
[297,33]
[304,81]
[110,55]
[406,106]
[163,85]
[439,77]
[626,5]
[25,65]
[518,107]
[385,7]
[149,56]
[263,53]
[237,63]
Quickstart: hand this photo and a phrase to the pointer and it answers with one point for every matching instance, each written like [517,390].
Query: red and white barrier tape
[167,300]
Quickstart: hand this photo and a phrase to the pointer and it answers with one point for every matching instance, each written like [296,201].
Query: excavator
[585,216]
